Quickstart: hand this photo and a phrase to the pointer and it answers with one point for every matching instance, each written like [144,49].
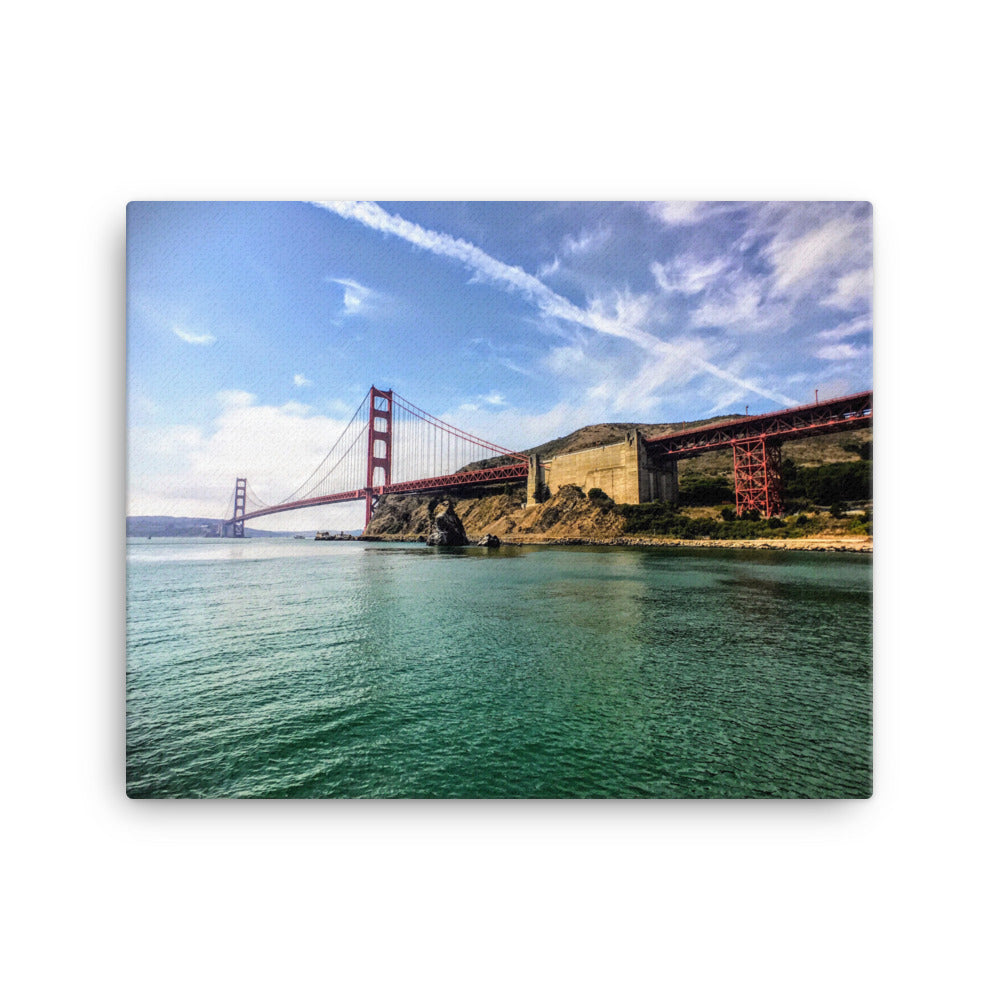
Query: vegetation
[833,485]
[827,484]
[664,519]
[703,491]
[598,497]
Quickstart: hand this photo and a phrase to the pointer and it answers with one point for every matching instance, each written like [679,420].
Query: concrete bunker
[623,470]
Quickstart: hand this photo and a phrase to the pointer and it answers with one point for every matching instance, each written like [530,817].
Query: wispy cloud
[193,338]
[588,241]
[844,330]
[680,213]
[842,352]
[549,303]
[301,381]
[235,398]
[819,253]
[357,298]
[851,290]
[688,274]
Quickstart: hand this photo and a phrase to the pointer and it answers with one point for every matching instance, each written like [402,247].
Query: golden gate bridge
[390,446]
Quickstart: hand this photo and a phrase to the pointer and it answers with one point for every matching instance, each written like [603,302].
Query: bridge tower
[379,445]
[757,476]
[239,507]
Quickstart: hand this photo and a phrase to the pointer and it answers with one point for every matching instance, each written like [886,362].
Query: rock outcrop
[447,528]
[489,542]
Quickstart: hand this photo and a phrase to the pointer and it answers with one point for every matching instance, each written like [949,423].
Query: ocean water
[295,668]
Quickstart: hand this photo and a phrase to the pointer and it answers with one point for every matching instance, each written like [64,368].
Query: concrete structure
[623,470]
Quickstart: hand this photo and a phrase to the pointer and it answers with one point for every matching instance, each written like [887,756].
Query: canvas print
[499,500]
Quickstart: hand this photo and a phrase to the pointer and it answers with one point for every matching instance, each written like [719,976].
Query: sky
[254,329]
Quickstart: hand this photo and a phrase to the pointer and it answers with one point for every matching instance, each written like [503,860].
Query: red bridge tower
[379,445]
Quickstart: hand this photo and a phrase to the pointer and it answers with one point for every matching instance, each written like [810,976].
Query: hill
[156,526]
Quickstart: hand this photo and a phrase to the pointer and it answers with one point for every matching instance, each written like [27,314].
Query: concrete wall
[623,470]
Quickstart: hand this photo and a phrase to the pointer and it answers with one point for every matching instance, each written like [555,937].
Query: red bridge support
[239,507]
[757,476]
[379,446]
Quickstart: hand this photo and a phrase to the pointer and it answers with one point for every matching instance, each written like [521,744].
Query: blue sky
[254,329]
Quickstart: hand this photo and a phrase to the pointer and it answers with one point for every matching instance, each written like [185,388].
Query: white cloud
[193,338]
[625,309]
[186,471]
[812,252]
[680,213]
[742,305]
[301,381]
[688,274]
[547,270]
[842,352]
[849,329]
[851,290]
[587,241]
[233,398]
[357,298]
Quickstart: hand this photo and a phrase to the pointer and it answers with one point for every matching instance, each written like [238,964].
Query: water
[295,668]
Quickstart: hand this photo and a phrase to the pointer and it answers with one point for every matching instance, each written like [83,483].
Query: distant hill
[186,527]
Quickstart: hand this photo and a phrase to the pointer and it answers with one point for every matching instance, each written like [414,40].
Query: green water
[291,668]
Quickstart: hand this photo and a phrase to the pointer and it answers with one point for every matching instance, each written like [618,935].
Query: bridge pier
[757,476]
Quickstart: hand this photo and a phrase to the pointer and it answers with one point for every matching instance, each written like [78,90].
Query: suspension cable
[415,411]
[328,454]
[346,453]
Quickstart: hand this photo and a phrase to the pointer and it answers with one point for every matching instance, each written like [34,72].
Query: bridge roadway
[497,474]
[826,417]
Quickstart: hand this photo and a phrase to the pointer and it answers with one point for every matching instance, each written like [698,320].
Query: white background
[895,896]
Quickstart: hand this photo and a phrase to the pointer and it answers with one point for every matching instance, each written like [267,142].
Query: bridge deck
[497,474]
[826,417]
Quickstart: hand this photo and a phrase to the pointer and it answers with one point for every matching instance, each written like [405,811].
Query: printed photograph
[499,500]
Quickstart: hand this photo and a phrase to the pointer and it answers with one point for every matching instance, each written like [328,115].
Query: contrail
[518,280]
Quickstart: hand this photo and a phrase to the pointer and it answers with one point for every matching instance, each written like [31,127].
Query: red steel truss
[756,444]
[757,476]
[826,417]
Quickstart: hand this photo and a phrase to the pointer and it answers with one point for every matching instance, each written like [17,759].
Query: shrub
[703,491]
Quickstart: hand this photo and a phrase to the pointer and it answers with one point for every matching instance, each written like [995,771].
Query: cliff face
[568,514]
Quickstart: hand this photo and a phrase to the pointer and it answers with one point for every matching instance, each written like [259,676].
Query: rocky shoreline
[815,544]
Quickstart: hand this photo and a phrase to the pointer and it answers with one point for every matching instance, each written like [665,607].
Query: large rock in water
[447,528]
[489,541]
